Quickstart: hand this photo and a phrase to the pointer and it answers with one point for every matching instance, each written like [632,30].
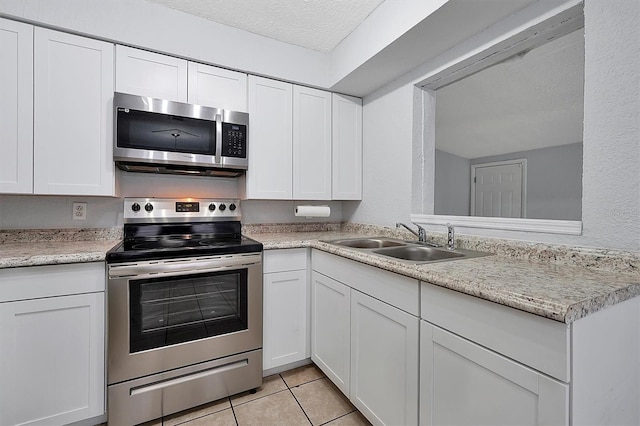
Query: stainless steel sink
[417,253]
[405,251]
[369,243]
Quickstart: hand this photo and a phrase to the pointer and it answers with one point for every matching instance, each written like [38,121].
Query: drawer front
[396,290]
[537,342]
[33,282]
[284,260]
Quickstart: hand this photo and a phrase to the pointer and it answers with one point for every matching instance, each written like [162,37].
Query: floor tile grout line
[234,412]
[300,405]
[260,397]
[339,417]
[199,417]
[300,384]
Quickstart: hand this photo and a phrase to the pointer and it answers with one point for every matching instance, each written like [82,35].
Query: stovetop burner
[199,230]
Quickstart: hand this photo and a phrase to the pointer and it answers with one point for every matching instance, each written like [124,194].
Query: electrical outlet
[79,211]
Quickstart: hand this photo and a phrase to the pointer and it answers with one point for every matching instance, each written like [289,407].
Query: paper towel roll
[313,211]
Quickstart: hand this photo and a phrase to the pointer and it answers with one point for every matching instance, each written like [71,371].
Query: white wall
[452,184]
[386,180]
[611,176]
[43,212]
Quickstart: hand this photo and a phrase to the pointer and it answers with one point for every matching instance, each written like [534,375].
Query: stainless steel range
[185,308]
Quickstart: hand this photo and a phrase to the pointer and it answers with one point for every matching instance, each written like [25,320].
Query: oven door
[174,313]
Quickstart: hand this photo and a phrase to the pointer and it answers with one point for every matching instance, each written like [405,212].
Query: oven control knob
[135,207]
[222,207]
[148,207]
[212,207]
[232,207]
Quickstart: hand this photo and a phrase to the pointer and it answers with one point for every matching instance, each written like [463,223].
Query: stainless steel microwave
[160,136]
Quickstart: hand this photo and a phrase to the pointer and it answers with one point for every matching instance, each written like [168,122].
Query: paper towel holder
[312,211]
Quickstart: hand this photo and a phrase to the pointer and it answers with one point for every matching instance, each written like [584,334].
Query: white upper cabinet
[290,155]
[217,87]
[311,144]
[270,148]
[150,74]
[347,148]
[16,107]
[144,73]
[73,115]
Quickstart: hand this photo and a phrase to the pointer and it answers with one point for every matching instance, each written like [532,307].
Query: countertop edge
[95,251]
[555,311]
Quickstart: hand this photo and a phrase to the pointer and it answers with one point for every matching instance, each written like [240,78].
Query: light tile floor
[303,396]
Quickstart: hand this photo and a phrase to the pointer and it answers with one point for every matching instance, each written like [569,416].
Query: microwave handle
[219,139]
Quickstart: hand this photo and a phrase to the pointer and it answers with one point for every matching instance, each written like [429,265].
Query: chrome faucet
[421,234]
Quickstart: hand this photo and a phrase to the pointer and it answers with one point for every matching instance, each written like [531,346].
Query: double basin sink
[406,251]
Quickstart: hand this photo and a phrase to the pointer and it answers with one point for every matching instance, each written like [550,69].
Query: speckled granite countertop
[558,289]
[37,247]
[14,255]
[560,292]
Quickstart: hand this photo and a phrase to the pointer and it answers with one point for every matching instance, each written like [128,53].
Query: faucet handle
[451,244]
[422,233]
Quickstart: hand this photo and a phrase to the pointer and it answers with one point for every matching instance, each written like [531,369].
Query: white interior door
[498,189]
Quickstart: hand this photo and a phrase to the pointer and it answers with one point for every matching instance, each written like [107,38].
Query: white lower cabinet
[285,307]
[330,329]
[52,368]
[409,353]
[384,361]
[463,383]
[367,347]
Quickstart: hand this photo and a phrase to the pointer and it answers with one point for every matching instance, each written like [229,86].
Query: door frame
[523,189]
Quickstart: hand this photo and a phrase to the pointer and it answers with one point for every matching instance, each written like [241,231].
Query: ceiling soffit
[318,25]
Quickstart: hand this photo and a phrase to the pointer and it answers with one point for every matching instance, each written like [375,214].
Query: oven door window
[161,132]
[170,310]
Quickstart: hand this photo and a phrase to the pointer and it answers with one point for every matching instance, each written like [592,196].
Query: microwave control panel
[234,140]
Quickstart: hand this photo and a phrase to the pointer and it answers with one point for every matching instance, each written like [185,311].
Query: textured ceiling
[530,101]
[314,24]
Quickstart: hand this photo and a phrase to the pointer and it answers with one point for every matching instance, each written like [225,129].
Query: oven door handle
[191,265]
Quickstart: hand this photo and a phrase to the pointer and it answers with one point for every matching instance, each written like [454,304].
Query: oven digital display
[188,207]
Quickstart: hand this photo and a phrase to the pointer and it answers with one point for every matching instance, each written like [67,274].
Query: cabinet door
[462,383]
[285,318]
[384,361]
[330,332]
[73,120]
[311,144]
[150,74]
[270,148]
[347,148]
[16,107]
[217,87]
[52,360]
